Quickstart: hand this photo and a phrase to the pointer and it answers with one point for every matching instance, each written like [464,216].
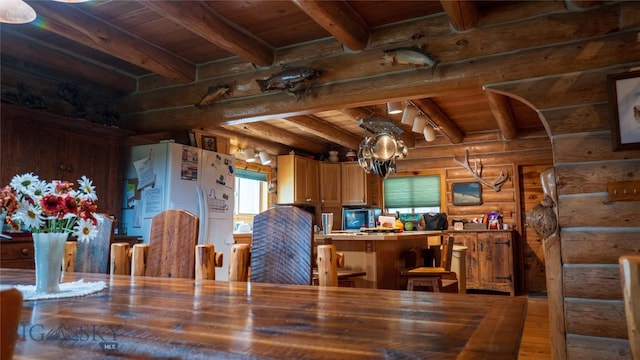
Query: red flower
[69,205]
[51,205]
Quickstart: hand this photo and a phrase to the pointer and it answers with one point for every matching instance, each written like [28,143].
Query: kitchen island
[382,255]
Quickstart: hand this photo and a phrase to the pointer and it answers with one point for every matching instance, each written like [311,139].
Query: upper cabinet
[330,184]
[60,148]
[297,180]
[358,187]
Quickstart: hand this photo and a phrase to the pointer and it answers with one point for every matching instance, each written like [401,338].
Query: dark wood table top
[148,318]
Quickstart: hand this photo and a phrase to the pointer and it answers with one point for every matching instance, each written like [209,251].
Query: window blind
[250,174]
[412,191]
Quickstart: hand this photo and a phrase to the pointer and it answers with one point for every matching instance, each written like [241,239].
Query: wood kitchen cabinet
[297,180]
[354,184]
[59,148]
[490,259]
[330,184]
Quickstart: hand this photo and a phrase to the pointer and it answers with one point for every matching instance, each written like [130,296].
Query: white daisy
[29,215]
[24,183]
[87,188]
[85,230]
[40,188]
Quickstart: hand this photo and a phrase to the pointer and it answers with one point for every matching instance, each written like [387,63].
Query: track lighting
[429,133]
[419,124]
[265,159]
[250,154]
[394,107]
[409,115]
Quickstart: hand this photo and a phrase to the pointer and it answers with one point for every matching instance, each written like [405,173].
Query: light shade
[16,12]
[240,155]
[394,107]
[265,159]
[250,154]
[429,133]
[409,115]
[419,123]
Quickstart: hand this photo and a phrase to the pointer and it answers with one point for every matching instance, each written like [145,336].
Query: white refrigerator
[167,176]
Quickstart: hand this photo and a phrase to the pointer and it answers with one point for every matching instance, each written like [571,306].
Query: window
[251,193]
[411,193]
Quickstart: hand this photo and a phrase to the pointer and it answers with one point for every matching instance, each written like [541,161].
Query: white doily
[68,289]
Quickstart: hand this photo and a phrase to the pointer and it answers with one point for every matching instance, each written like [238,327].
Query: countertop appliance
[355,218]
[167,176]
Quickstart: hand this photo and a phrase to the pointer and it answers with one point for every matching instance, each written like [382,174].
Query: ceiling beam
[339,19]
[501,109]
[263,130]
[463,14]
[208,24]
[71,23]
[445,125]
[320,128]
[360,113]
[243,141]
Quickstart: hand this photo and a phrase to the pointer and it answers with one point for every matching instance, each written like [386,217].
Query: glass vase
[49,253]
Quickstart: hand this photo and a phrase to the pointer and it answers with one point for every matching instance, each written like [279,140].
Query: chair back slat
[447,253]
[93,256]
[630,274]
[281,247]
[173,240]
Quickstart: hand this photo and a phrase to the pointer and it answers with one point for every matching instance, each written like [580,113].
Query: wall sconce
[16,12]
[250,155]
[409,115]
[394,107]
[265,159]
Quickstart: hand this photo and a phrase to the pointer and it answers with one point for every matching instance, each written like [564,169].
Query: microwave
[354,219]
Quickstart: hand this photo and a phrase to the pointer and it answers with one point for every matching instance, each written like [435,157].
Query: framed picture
[624,105]
[208,143]
[467,193]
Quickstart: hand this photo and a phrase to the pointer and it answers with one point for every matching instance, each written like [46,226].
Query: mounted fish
[409,55]
[213,94]
[296,81]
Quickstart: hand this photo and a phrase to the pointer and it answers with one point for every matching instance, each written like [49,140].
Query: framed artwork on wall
[208,143]
[624,105]
[467,193]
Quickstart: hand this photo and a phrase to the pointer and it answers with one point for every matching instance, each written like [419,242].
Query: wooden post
[139,259]
[70,251]
[205,262]
[327,265]
[239,262]
[119,264]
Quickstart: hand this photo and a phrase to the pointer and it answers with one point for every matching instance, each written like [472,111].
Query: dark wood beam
[59,64]
[339,19]
[76,25]
[445,125]
[320,128]
[463,14]
[208,24]
[501,108]
[244,141]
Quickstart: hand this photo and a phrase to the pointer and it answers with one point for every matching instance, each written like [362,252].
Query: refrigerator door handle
[203,215]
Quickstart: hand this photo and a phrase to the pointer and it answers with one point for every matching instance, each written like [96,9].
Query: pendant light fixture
[16,12]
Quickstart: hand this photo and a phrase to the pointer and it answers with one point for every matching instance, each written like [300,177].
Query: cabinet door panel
[354,184]
[330,184]
[301,179]
[495,251]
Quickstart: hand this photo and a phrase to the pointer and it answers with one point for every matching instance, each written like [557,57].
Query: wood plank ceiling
[150,56]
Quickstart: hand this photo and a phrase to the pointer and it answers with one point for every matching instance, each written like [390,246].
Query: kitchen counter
[381,255]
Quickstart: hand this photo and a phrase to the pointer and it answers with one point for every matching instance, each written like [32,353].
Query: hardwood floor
[535,337]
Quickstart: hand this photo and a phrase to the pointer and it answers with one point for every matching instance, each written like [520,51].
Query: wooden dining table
[150,318]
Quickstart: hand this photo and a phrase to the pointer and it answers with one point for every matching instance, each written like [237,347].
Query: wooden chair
[436,279]
[281,248]
[173,250]
[630,275]
[91,256]
[11,308]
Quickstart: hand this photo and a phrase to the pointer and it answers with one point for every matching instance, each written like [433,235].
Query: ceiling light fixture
[429,133]
[394,107]
[250,154]
[265,159]
[409,114]
[16,12]
[419,124]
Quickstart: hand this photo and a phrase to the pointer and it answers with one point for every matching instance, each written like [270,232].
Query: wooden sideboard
[17,253]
